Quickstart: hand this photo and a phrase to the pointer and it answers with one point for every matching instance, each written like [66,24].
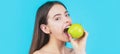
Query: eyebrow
[59,14]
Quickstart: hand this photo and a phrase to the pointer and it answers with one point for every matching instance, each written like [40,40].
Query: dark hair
[39,37]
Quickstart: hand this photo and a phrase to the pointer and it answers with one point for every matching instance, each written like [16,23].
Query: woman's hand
[79,45]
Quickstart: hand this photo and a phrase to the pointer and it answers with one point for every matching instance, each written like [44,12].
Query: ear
[45,28]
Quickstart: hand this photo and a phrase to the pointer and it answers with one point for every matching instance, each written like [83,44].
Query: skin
[58,19]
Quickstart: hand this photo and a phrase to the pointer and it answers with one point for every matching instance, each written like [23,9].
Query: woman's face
[58,20]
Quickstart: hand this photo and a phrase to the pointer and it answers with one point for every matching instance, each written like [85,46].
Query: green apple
[76,31]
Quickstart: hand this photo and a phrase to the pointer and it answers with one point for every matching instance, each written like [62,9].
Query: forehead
[57,8]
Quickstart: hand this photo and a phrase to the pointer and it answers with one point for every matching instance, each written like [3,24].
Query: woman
[49,34]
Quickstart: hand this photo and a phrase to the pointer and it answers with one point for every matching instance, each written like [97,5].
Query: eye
[57,18]
[67,15]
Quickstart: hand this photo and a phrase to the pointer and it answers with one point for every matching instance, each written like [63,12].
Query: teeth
[66,29]
[67,26]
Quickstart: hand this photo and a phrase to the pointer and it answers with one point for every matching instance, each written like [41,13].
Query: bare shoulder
[40,52]
[36,52]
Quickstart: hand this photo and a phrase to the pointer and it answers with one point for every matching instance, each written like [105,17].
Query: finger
[74,44]
[82,41]
[70,38]
[83,38]
[86,35]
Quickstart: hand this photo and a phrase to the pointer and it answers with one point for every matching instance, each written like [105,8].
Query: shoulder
[40,52]
[36,52]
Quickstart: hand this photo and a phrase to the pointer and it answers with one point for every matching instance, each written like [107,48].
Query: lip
[66,34]
[67,26]
[65,31]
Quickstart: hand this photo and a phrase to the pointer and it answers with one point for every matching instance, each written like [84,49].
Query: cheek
[55,26]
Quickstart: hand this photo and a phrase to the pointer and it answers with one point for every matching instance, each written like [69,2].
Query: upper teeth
[67,26]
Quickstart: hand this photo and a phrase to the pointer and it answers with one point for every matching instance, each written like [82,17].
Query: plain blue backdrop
[100,18]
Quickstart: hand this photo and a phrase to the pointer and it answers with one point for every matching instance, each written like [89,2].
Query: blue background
[99,17]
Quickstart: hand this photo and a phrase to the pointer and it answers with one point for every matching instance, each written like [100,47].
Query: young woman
[49,34]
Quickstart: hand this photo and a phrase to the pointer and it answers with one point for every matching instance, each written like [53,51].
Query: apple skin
[76,31]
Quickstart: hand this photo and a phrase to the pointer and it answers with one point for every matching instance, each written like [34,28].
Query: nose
[68,20]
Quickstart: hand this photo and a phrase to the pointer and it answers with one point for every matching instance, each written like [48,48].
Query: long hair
[39,37]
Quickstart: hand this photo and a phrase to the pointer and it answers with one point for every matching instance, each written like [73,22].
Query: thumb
[74,44]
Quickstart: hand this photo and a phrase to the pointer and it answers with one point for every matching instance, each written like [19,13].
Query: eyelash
[57,18]
[67,15]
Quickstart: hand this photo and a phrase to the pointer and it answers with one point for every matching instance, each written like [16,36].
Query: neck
[55,46]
